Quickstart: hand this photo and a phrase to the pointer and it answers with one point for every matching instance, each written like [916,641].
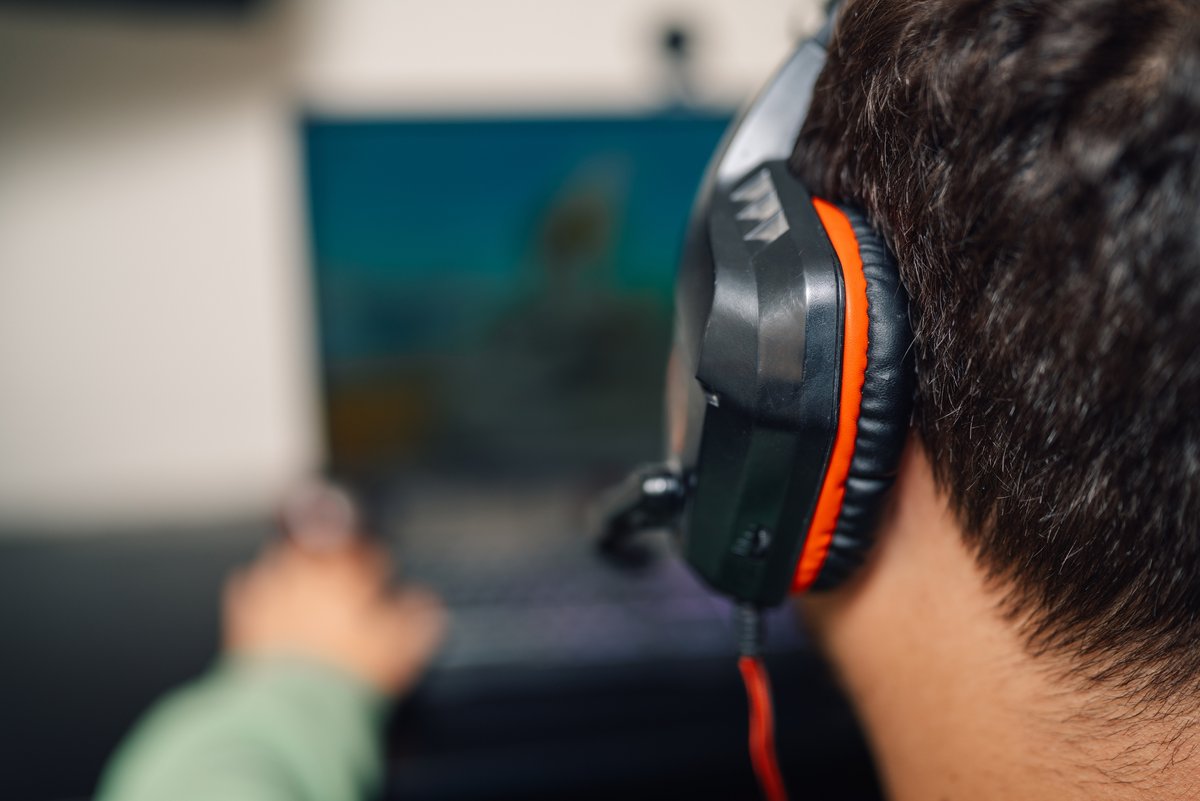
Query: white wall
[155,342]
[362,55]
[152,345]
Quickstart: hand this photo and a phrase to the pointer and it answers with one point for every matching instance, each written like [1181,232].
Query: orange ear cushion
[854,368]
[875,402]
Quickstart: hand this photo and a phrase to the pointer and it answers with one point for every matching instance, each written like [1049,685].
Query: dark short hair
[1035,165]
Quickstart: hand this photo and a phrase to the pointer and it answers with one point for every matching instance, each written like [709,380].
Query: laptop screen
[494,296]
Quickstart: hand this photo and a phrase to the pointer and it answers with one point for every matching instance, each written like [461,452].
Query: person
[1029,625]
[316,642]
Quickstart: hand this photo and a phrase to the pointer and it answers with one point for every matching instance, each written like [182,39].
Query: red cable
[762,728]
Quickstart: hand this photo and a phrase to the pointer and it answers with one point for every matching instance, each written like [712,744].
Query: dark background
[95,630]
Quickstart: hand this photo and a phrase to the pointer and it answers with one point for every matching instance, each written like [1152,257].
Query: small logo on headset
[760,208]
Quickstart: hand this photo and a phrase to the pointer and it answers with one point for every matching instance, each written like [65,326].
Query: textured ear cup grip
[886,408]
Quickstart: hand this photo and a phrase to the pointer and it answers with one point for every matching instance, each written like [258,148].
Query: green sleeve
[255,729]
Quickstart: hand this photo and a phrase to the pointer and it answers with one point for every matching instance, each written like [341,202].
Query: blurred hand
[334,604]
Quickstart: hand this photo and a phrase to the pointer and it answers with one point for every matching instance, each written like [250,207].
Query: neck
[953,704]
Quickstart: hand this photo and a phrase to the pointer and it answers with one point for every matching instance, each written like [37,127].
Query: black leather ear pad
[884,417]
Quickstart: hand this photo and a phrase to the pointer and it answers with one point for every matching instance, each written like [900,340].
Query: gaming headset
[790,384]
[789,388]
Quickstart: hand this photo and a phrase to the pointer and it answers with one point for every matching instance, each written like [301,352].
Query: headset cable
[758,692]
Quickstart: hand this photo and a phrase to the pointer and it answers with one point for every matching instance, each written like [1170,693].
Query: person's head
[1035,166]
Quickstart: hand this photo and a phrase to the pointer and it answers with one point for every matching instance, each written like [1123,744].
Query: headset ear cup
[886,409]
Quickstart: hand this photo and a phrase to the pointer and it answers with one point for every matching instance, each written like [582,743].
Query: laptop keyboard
[526,587]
